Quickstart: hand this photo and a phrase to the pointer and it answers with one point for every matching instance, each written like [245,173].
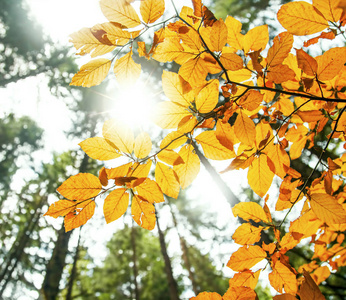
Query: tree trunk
[173,287]
[73,274]
[185,255]
[134,261]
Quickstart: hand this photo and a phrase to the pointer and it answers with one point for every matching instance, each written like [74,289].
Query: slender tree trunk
[173,286]
[134,261]
[73,274]
[185,255]
[19,246]
[56,264]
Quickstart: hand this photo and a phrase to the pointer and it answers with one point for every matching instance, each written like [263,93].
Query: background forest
[186,252]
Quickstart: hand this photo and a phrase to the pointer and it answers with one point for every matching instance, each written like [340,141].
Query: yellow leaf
[84,211]
[143,212]
[327,209]
[142,145]
[244,129]
[246,257]
[282,278]
[194,71]
[300,18]
[249,211]
[119,134]
[170,157]
[85,41]
[224,134]
[120,171]
[80,187]
[251,100]
[331,63]
[172,85]
[192,40]
[140,170]
[231,61]
[246,234]
[99,148]
[167,179]
[126,70]
[280,159]
[151,10]
[173,140]
[115,204]
[150,191]
[240,293]
[168,114]
[112,32]
[310,115]
[329,9]
[169,50]
[92,73]
[60,208]
[256,38]
[245,278]
[208,97]
[279,51]
[120,11]
[212,148]
[297,147]
[218,35]
[188,171]
[260,176]
[235,38]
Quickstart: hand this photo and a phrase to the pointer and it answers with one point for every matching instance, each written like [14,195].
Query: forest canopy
[260,104]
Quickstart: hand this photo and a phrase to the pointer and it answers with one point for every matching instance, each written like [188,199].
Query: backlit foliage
[237,101]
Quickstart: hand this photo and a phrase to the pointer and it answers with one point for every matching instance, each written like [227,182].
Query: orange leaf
[280,74]
[251,100]
[120,11]
[309,289]
[115,204]
[224,134]
[188,171]
[140,169]
[167,179]
[231,61]
[244,129]
[245,278]
[99,148]
[260,176]
[194,71]
[327,209]
[246,257]
[143,212]
[80,187]
[249,211]
[103,176]
[150,191]
[300,18]
[234,38]
[84,211]
[329,9]
[277,53]
[307,63]
[284,297]
[60,208]
[246,234]
[120,171]
[240,293]
[170,157]
[207,296]
[280,159]
[256,38]
[218,35]
[331,63]
[212,148]
[282,278]
[208,97]
[151,10]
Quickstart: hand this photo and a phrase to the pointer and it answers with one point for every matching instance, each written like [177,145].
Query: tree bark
[173,287]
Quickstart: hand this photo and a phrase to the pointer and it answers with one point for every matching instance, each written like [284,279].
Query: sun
[134,105]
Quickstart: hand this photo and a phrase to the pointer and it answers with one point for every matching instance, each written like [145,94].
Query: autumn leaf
[256,38]
[126,70]
[194,71]
[208,97]
[309,289]
[240,293]
[142,145]
[330,63]
[140,169]
[244,129]
[80,187]
[249,211]
[115,204]
[170,157]
[218,35]
[246,257]
[245,278]
[246,234]
[120,11]
[300,18]
[327,209]
[119,134]
[207,296]
[307,63]
[151,10]
[84,212]
[277,53]
[150,191]
[143,212]
[99,148]
[60,208]
[92,73]
[167,179]
[282,278]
